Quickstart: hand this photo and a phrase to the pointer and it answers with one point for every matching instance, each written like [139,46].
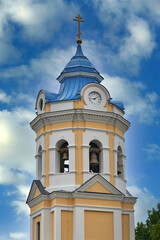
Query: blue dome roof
[76,74]
[79,63]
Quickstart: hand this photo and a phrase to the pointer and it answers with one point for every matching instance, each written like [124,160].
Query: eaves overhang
[110,118]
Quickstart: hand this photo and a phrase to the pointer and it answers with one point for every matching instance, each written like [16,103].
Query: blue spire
[79,51]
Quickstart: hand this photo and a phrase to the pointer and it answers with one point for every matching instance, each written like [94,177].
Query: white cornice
[82,195]
[80,73]
[80,115]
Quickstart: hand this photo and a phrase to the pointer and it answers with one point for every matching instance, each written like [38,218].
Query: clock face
[94,98]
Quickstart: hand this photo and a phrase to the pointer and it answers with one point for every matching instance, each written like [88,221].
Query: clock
[94,98]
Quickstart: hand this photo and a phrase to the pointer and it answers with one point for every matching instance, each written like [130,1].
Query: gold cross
[78,19]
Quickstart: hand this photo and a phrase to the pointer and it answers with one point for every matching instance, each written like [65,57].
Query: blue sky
[37,39]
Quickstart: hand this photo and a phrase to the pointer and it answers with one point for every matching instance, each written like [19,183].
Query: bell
[94,159]
[65,156]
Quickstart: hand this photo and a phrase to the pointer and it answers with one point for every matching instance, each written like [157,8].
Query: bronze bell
[94,159]
[65,156]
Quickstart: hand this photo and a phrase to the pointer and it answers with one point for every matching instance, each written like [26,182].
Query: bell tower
[80,188]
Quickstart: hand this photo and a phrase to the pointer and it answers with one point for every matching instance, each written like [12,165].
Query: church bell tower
[80,188]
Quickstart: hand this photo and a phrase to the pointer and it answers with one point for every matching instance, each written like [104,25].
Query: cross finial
[78,19]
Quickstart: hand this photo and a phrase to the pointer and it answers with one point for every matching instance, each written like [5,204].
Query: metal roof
[76,74]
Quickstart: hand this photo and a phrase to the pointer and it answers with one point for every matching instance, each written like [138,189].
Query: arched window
[119,162]
[64,157]
[94,158]
[39,162]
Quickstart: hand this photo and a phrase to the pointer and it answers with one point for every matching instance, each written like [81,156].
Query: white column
[43,167]
[124,168]
[117,225]
[78,223]
[85,149]
[57,223]
[52,160]
[71,149]
[46,225]
[31,228]
[36,157]
[131,223]
[115,162]
[105,160]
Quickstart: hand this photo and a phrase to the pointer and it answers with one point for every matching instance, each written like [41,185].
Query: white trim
[118,225]
[80,115]
[89,105]
[80,73]
[78,223]
[131,222]
[57,223]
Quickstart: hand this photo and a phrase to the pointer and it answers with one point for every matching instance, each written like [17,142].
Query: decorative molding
[98,178]
[80,192]
[79,73]
[80,115]
[83,195]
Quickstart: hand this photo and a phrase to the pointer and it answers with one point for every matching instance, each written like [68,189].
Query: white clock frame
[93,87]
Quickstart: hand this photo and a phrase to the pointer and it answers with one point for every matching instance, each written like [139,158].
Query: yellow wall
[79,104]
[37,193]
[98,225]
[125,227]
[52,225]
[48,107]
[97,187]
[66,225]
[79,156]
[35,220]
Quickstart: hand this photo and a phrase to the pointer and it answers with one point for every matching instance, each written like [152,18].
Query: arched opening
[119,162]
[64,157]
[94,157]
[39,162]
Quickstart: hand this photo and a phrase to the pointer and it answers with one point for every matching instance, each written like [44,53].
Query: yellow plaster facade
[66,225]
[98,225]
[97,187]
[37,193]
[125,227]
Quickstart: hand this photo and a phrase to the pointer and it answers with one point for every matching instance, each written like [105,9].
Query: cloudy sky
[37,38]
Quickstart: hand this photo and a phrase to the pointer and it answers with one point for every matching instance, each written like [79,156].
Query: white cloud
[153,151]
[134,95]
[17,145]
[21,208]
[4,98]
[18,235]
[38,19]
[130,37]
[45,68]
[139,44]
[146,201]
